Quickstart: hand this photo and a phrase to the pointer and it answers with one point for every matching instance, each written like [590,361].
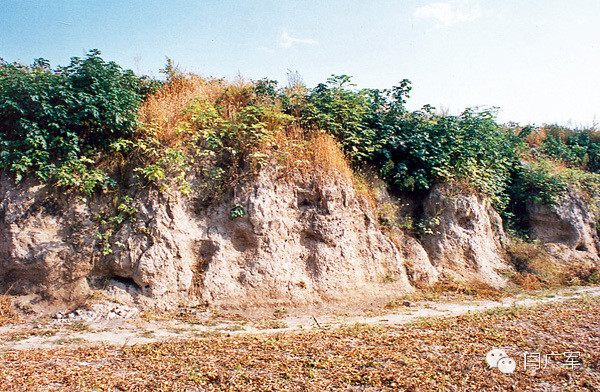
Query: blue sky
[538,60]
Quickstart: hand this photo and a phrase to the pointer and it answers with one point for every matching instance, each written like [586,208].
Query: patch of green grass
[272,324]
[147,334]
[78,326]
[232,327]
[511,311]
[63,340]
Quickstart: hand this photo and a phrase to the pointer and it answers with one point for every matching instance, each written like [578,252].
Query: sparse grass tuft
[78,326]
[525,256]
[510,311]
[7,312]
[329,158]
[365,188]
[272,324]
[231,327]
[474,289]
[536,269]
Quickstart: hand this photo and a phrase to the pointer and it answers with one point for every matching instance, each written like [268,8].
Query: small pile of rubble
[99,311]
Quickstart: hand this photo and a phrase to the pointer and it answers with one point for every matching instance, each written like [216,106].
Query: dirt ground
[421,345]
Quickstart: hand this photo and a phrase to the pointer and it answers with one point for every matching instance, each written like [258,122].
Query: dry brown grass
[527,281]
[329,159]
[539,135]
[522,254]
[366,184]
[473,288]
[536,137]
[7,312]
[448,289]
[537,269]
[308,154]
[318,155]
[550,272]
[162,112]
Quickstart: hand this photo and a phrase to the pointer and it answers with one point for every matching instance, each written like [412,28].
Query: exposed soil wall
[298,242]
[307,240]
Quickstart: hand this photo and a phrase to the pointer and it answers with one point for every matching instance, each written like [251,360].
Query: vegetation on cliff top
[72,125]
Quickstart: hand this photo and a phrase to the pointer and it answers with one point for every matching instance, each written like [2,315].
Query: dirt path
[123,329]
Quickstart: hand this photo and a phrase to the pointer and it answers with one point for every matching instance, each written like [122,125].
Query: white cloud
[287,41]
[265,49]
[448,13]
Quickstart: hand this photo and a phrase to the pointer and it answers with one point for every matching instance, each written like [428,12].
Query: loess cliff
[205,192]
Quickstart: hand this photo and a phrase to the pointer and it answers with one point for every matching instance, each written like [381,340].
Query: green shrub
[58,123]
[574,147]
[426,149]
[536,182]
[573,154]
[343,113]
[235,138]
[237,211]
[412,150]
[65,117]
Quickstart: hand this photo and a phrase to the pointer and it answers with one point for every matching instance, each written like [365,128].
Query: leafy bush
[230,136]
[237,136]
[573,154]
[543,181]
[341,112]
[55,118]
[58,123]
[412,151]
[162,166]
[537,183]
[575,147]
[427,148]
[237,211]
